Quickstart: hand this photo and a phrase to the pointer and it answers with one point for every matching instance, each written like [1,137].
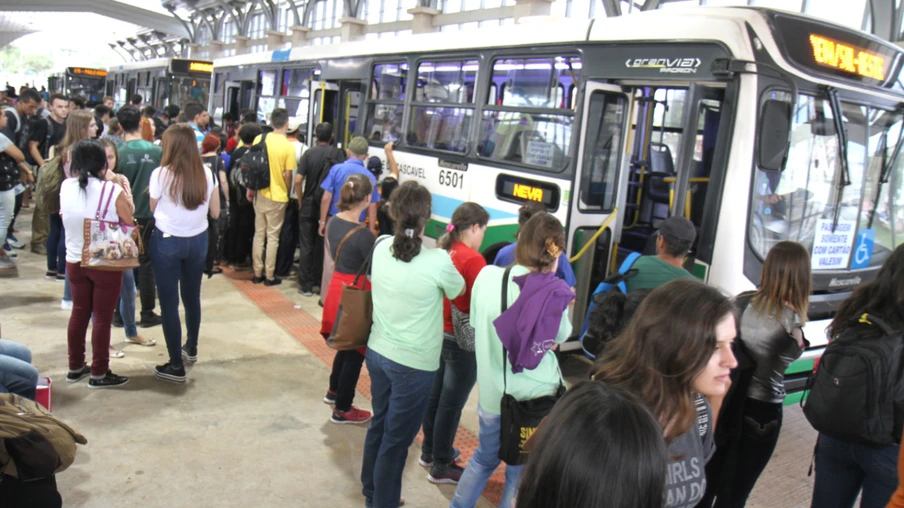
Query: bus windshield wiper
[843,175]
[887,164]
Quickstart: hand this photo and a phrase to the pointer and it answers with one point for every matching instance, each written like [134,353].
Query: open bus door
[350,95]
[324,108]
[597,195]
[238,97]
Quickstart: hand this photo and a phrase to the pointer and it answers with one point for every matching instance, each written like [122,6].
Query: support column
[275,40]
[352,29]
[241,45]
[423,20]
[526,8]
[193,49]
[300,35]
[217,49]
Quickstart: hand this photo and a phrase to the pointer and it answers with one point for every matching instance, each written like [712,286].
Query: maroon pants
[94,292]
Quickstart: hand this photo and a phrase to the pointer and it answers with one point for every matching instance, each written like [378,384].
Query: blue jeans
[67,291]
[127,304]
[17,374]
[399,395]
[483,464]
[178,266]
[7,209]
[56,245]
[843,468]
[451,386]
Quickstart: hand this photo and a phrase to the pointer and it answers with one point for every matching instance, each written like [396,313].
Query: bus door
[598,193]
[131,89]
[324,108]
[160,93]
[238,96]
[350,93]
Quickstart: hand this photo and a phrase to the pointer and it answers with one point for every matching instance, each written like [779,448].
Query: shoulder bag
[109,245]
[351,329]
[520,418]
[461,326]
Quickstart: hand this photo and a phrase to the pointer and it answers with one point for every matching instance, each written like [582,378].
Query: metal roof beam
[109,8]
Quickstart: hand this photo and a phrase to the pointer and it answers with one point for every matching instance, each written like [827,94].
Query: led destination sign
[848,58]
[79,71]
[521,190]
[191,66]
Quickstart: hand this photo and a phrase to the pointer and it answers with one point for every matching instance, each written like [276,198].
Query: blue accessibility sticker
[863,250]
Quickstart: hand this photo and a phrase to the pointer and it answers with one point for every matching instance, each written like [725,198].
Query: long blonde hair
[76,130]
[785,280]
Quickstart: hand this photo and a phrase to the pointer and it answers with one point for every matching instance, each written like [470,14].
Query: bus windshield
[92,89]
[186,89]
[799,204]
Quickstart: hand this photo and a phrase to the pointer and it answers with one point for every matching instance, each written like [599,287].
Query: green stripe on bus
[495,234]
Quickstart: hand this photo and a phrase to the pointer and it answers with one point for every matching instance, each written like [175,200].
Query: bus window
[385,105]
[602,153]
[432,123]
[296,93]
[266,90]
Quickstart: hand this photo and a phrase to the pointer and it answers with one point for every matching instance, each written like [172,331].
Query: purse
[520,418]
[110,245]
[463,331]
[351,329]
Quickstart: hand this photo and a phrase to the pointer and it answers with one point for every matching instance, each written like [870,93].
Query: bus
[758,125]
[160,82]
[79,81]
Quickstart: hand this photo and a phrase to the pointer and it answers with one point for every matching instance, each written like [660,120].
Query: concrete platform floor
[249,427]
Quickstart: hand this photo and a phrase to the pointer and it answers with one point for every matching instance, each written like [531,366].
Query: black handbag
[520,418]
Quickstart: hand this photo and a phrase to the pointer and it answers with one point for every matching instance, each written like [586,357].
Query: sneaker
[257,280]
[426,459]
[8,251]
[330,398]
[50,275]
[167,372]
[449,474]
[150,320]
[78,375]
[306,292]
[190,354]
[6,262]
[110,380]
[353,415]
[65,304]
[272,282]
[15,243]
[61,277]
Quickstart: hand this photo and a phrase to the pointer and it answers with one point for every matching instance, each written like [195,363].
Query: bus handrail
[594,237]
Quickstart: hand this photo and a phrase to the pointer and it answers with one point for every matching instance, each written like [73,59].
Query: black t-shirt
[355,250]
[216,164]
[37,130]
[12,130]
[384,221]
[310,167]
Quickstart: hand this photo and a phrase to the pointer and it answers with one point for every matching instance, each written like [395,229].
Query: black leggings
[344,377]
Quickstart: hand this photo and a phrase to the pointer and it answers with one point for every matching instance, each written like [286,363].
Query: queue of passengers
[669,418]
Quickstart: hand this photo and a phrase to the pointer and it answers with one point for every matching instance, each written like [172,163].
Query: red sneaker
[353,415]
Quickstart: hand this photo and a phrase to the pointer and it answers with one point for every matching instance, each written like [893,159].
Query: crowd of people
[683,406]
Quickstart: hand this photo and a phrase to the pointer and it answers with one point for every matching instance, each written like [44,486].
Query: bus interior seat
[662,166]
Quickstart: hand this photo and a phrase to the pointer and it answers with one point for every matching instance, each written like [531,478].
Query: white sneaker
[6,263]
[66,304]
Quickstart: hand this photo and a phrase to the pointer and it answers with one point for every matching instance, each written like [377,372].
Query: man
[137,159]
[169,116]
[102,117]
[108,101]
[676,236]
[44,134]
[76,103]
[315,164]
[229,121]
[18,116]
[270,203]
[136,100]
[288,237]
[199,119]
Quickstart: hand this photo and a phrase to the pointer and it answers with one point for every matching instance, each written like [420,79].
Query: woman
[147,129]
[12,169]
[350,243]
[772,337]
[403,351]
[458,368]
[210,156]
[505,256]
[674,355]
[599,448]
[182,193]
[94,292]
[80,125]
[126,306]
[541,242]
[844,468]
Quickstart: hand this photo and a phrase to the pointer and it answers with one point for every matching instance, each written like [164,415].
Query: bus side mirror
[774,133]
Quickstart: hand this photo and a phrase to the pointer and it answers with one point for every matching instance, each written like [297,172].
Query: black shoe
[110,380]
[257,280]
[117,320]
[169,373]
[272,282]
[74,377]
[426,459]
[190,354]
[150,320]
[306,291]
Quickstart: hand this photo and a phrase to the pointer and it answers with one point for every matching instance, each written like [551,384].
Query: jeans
[17,374]
[483,464]
[67,289]
[843,468]
[178,267]
[268,220]
[127,304]
[760,428]
[310,265]
[94,295]
[399,396]
[7,209]
[453,383]
[344,377]
[147,290]
[56,245]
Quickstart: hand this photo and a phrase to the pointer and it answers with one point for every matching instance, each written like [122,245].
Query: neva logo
[666,65]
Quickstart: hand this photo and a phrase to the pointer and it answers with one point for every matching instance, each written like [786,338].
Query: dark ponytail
[88,159]
[465,216]
[411,209]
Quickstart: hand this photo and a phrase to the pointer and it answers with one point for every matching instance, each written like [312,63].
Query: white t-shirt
[172,217]
[77,204]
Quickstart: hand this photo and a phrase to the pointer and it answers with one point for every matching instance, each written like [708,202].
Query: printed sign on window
[832,249]
[539,153]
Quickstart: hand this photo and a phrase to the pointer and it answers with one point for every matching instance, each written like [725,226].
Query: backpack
[34,444]
[237,181]
[255,166]
[856,393]
[614,281]
[50,179]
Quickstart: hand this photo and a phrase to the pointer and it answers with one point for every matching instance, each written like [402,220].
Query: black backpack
[255,166]
[856,393]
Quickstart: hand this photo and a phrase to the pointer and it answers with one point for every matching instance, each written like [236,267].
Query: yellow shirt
[282,158]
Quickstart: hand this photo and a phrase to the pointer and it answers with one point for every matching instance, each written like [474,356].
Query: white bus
[160,82]
[758,125]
